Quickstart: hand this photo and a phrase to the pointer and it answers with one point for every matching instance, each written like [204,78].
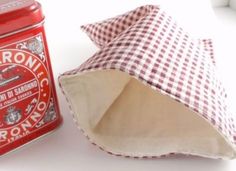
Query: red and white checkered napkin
[149,46]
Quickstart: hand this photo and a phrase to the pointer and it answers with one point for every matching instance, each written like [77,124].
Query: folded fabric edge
[97,31]
[68,74]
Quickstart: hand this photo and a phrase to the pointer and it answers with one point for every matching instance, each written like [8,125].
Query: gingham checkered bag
[152,90]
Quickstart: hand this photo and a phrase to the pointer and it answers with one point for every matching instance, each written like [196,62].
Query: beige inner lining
[124,116]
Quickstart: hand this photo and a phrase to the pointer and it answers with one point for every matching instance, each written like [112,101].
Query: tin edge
[23,29]
[31,142]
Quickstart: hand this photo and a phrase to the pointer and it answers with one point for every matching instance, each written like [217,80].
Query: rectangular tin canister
[28,101]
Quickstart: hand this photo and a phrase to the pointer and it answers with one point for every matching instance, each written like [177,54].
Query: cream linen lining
[124,116]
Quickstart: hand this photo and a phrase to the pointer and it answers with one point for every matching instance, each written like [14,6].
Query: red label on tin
[26,101]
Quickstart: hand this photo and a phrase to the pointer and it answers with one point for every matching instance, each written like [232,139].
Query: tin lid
[18,14]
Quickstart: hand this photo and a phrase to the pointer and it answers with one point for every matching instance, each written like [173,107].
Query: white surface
[219,3]
[67,149]
[232,4]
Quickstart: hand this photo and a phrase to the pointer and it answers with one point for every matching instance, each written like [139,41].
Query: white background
[67,149]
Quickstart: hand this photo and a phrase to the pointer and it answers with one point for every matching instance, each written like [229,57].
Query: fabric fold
[151,89]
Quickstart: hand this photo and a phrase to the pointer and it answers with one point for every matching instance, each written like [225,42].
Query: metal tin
[28,101]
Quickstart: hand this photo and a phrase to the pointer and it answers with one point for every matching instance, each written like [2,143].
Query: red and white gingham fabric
[149,45]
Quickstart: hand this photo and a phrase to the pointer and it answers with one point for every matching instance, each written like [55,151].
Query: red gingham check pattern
[149,45]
